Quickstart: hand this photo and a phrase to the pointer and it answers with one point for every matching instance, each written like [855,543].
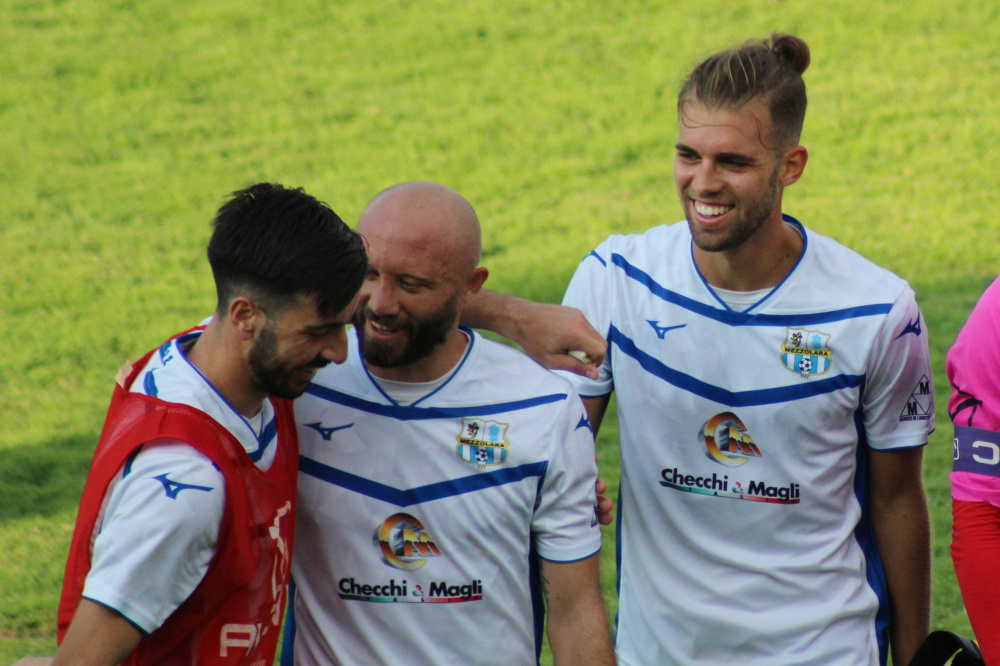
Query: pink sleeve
[973,368]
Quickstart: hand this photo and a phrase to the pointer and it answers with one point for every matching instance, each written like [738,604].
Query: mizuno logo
[173,488]
[325,433]
[662,330]
[584,423]
[912,327]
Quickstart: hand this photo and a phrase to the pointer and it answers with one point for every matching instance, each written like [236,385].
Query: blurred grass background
[123,124]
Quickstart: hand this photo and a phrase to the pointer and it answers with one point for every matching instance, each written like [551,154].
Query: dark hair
[278,245]
[770,69]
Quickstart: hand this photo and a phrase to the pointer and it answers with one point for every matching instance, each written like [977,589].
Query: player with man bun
[773,392]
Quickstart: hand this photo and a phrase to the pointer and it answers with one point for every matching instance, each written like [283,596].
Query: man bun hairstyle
[770,70]
[278,245]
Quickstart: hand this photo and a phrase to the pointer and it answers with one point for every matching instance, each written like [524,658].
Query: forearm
[96,636]
[902,532]
[493,311]
[581,638]
[577,623]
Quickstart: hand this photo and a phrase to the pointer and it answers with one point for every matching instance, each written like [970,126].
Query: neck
[761,262]
[434,366]
[222,363]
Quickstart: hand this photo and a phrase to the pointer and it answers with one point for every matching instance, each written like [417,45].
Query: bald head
[427,215]
[423,266]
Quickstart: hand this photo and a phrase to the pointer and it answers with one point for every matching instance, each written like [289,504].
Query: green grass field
[123,124]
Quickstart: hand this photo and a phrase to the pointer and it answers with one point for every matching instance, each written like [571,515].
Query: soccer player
[181,552]
[773,392]
[974,373]
[446,482]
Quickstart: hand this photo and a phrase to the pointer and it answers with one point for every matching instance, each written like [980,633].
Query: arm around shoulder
[577,622]
[546,332]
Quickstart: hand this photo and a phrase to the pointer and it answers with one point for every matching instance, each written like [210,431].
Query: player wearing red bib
[182,547]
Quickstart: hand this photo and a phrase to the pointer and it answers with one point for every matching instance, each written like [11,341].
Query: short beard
[268,373]
[423,336]
[745,226]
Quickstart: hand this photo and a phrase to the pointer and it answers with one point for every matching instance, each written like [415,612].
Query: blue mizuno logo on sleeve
[912,327]
[173,488]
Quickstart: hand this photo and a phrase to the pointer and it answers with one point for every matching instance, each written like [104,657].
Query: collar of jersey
[468,351]
[789,220]
[267,432]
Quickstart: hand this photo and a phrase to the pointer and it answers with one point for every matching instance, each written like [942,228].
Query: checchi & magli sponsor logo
[403,543]
[728,443]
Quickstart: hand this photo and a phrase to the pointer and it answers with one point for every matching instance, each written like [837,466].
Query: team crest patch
[806,352]
[482,442]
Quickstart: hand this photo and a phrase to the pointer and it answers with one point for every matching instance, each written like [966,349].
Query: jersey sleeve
[565,520]
[157,534]
[973,366]
[898,403]
[590,292]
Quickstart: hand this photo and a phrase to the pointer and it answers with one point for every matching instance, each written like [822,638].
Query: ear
[793,163]
[245,317]
[475,282]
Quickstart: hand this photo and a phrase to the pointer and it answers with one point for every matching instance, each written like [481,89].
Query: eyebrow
[316,328]
[721,157]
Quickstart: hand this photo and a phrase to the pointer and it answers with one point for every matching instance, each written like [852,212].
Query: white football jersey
[418,525]
[742,513]
[159,523]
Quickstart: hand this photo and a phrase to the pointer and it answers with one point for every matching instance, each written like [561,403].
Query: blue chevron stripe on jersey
[733,318]
[410,413]
[708,391]
[430,492]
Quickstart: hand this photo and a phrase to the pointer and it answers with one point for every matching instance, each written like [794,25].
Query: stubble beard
[755,213]
[269,374]
[423,336]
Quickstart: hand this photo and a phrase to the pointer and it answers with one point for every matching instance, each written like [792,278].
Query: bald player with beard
[447,482]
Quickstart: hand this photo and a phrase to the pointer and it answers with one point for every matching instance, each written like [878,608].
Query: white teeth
[710,211]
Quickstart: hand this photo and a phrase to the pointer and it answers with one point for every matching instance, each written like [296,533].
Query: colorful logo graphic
[728,441]
[806,352]
[403,543]
[482,442]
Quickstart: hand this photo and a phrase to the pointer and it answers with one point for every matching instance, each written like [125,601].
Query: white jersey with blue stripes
[158,528]
[418,525]
[743,532]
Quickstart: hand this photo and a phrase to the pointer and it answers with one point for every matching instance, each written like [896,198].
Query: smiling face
[292,345]
[423,246]
[727,174]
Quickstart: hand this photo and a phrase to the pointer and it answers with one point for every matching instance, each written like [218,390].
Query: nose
[705,178]
[335,346]
[379,296]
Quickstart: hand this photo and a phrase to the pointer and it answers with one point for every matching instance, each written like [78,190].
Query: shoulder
[653,241]
[987,311]
[169,461]
[858,279]
[507,371]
